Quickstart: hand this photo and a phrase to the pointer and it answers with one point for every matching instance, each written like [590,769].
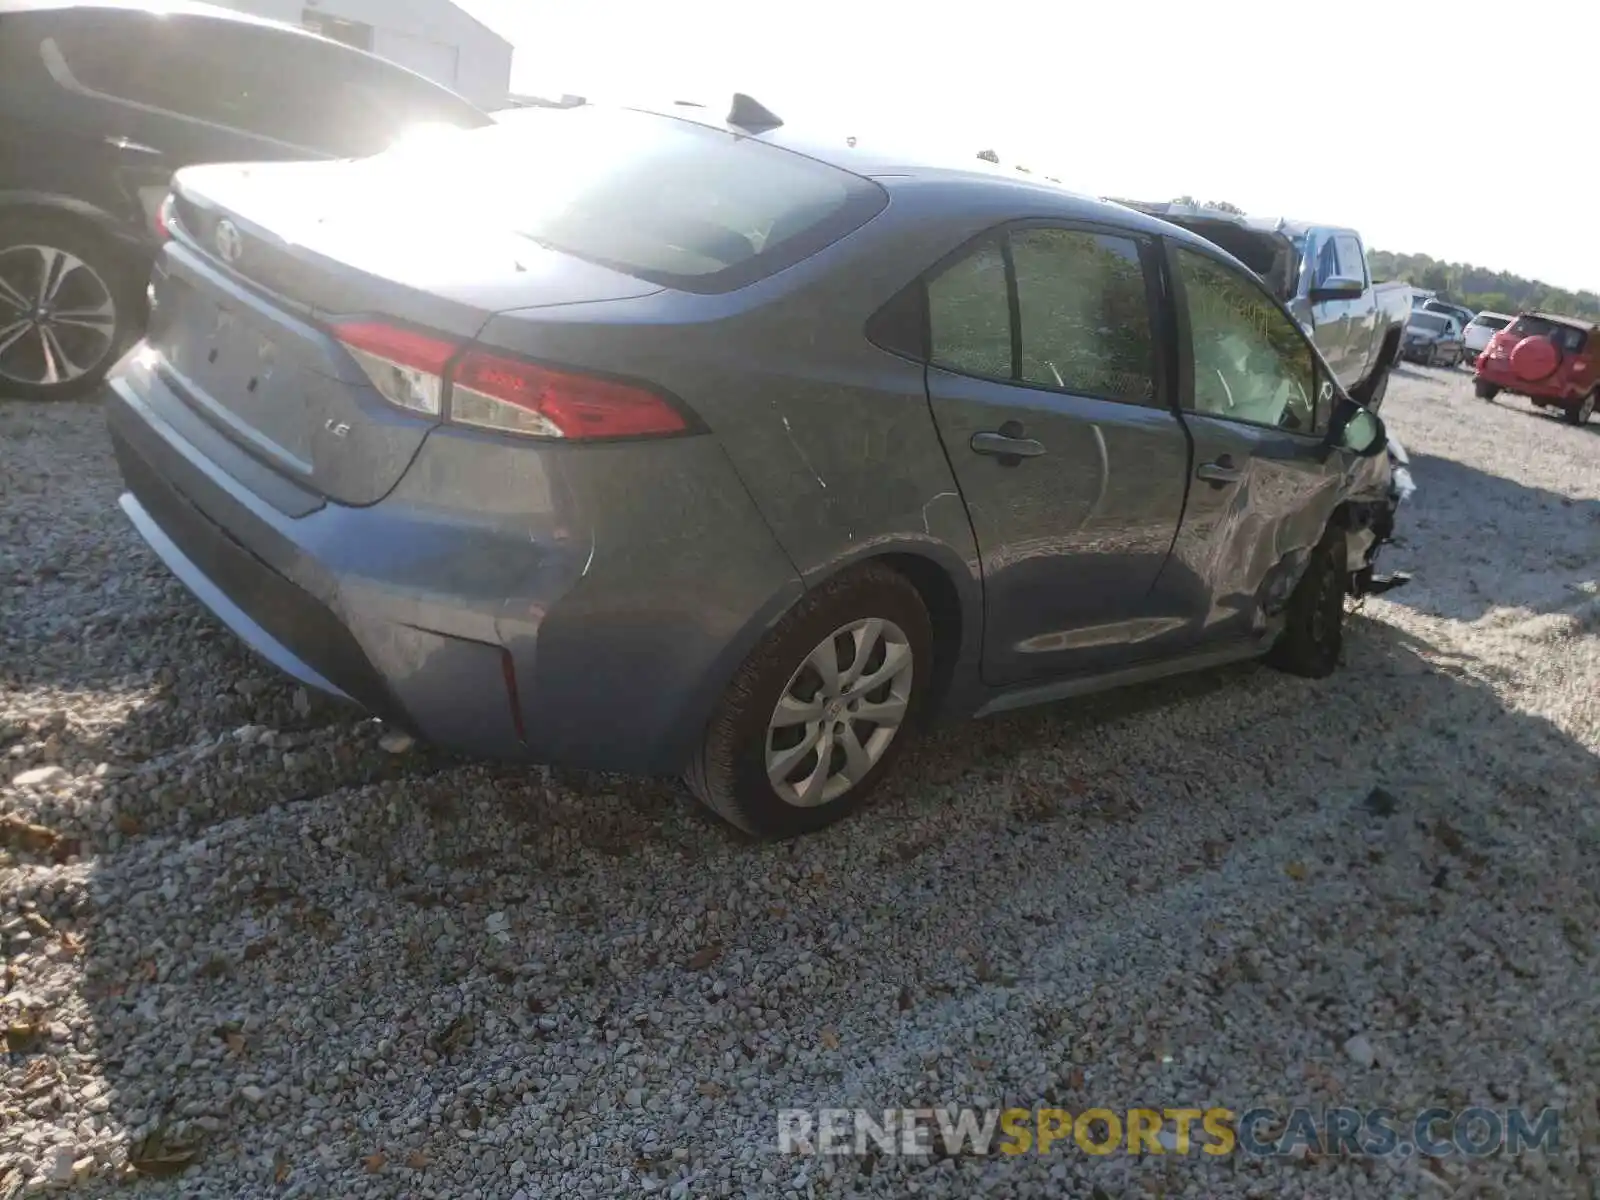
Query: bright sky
[1456,128]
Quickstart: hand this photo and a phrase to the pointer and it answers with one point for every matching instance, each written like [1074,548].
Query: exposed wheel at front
[817,713]
[64,308]
[1313,631]
[1485,391]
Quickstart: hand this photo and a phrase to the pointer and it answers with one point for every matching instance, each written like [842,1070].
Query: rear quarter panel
[831,436]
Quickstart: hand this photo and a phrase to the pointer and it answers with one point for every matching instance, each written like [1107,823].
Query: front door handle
[1220,472]
[1006,444]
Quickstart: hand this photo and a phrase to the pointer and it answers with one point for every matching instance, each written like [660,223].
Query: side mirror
[1337,288]
[1360,431]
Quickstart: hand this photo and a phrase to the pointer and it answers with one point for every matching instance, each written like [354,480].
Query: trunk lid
[265,257]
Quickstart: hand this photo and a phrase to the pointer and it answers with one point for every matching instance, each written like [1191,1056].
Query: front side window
[969,314]
[1250,362]
[1352,263]
[1084,314]
[1327,261]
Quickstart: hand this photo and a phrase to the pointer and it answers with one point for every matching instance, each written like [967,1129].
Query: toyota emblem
[230,242]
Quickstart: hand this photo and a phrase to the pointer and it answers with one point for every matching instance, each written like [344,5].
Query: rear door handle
[1005,446]
[1220,472]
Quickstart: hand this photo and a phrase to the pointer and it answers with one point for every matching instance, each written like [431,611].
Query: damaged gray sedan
[728,451]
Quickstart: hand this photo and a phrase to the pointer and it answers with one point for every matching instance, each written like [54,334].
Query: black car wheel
[67,308]
[1313,630]
[1485,391]
[819,711]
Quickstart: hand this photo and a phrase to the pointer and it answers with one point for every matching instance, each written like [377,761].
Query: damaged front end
[1370,527]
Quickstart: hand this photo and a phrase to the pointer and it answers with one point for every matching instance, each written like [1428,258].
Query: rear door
[1257,403]
[1051,399]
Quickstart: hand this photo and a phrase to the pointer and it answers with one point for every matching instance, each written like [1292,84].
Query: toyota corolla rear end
[426,438]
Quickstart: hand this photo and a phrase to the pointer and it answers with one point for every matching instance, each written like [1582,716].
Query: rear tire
[779,701]
[92,298]
[1583,410]
[1313,632]
[1485,391]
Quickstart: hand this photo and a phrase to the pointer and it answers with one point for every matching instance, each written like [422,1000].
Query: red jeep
[1554,361]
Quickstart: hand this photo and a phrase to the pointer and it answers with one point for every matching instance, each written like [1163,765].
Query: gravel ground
[261,950]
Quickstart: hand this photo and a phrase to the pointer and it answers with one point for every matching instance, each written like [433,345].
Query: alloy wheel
[58,318]
[839,712]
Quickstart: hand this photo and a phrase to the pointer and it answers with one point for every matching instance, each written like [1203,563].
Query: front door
[1257,402]
[1048,395]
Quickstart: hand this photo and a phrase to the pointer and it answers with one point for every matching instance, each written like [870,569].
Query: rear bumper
[494,635]
[1500,375]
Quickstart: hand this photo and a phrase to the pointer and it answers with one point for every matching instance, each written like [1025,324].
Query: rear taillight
[522,397]
[1580,364]
[407,367]
[427,374]
[165,216]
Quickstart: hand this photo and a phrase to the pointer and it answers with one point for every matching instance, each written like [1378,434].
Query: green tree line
[1480,288]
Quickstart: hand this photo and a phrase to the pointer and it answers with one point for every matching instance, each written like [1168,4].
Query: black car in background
[101,101]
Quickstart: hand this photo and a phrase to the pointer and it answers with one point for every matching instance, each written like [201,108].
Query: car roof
[893,167]
[1560,319]
[177,8]
[1288,226]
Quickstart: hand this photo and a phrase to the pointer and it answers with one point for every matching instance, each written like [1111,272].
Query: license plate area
[236,372]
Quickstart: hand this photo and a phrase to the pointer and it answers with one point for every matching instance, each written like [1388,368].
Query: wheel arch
[56,206]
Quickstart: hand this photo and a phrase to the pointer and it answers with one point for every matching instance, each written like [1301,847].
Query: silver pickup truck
[1321,274]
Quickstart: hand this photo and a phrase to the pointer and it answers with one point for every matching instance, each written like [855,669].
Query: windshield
[1428,323]
[1566,337]
[661,198]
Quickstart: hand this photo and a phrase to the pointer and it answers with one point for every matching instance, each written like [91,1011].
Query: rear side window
[969,315]
[1084,313]
[1494,324]
[663,199]
[1568,338]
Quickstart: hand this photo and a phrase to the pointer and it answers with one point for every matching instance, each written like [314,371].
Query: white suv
[1481,328]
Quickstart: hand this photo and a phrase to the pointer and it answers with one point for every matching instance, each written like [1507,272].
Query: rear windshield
[1428,322]
[1566,337]
[1494,323]
[660,198]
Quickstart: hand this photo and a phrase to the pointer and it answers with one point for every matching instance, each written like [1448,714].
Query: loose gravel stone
[259,946]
